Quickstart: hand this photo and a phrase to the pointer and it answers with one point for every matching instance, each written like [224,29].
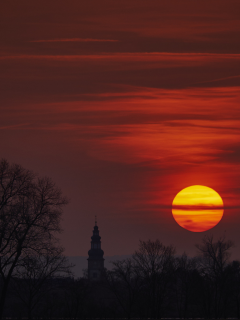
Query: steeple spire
[95,260]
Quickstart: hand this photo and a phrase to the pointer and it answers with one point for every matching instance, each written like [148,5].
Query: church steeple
[95,260]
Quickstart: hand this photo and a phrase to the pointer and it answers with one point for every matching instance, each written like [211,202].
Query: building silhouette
[95,260]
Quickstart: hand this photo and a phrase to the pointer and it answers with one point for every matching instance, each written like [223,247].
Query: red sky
[123,104]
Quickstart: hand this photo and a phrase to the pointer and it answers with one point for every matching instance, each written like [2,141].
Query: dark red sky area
[123,104]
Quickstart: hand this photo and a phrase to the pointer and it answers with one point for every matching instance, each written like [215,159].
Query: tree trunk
[3,296]
[29,313]
[30,308]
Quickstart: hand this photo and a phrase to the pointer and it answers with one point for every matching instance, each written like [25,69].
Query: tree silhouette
[32,277]
[125,283]
[155,264]
[215,272]
[30,211]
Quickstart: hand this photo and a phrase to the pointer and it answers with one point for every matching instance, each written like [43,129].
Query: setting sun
[197,208]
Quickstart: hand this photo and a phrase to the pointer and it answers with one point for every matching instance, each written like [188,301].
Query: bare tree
[30,211]
[215,254]
[33,277]
[155,263]
[76,296]
[215,259]
[233,290]
[187,279]
[124,282]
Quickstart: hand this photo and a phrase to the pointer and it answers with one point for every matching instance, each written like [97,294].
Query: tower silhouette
[95,260]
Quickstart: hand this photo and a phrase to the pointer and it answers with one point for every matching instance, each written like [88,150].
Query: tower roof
[95,252]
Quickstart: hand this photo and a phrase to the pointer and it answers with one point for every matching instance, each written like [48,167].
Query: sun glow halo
[197,208]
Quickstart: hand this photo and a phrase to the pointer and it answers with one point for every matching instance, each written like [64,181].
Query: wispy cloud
[133,56]
[135,60]
[75,40]
[220,79]
[14,126]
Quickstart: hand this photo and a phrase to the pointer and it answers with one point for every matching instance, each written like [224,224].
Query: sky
[123,104]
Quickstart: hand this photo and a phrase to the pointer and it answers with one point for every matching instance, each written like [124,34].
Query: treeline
[154,283]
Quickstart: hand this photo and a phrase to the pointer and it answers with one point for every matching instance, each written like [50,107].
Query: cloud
[140,26]
[174,58]
[115,76]
[75,40]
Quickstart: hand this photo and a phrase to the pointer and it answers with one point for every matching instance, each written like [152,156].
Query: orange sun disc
[197,208]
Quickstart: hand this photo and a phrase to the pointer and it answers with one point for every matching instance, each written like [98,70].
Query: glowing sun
[197,208]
